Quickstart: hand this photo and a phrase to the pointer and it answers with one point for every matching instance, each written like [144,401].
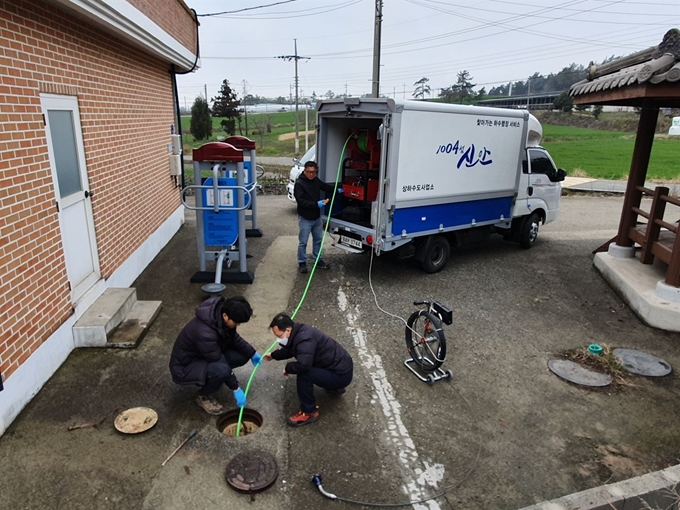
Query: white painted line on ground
[418,475]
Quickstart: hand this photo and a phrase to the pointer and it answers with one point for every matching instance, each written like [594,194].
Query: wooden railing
[655,242]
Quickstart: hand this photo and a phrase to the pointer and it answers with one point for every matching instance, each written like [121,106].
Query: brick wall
[173,16]
[126,109]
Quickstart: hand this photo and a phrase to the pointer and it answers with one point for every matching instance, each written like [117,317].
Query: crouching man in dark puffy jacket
[319,360]
[208,348]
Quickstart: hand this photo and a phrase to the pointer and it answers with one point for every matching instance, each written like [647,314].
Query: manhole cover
[573,372]
[135,420]
[252,471]
[641,363]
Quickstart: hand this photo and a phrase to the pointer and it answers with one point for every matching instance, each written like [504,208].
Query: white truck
[296,170]
[421,177]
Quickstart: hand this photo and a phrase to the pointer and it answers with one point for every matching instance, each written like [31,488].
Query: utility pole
[376,48]
[205,88]
[528,90]
[245,106]
[404,91]
[295,57]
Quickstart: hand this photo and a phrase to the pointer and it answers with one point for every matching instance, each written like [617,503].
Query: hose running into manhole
[309,282]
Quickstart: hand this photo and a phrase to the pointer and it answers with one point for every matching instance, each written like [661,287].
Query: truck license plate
[350,242]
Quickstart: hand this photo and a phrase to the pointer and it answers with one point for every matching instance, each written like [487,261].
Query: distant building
[543,101]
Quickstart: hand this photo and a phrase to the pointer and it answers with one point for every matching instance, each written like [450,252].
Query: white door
[69,174]
[542,173]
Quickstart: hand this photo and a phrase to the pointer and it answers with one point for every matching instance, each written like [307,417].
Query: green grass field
[268,144]
[608,154]
[580,151]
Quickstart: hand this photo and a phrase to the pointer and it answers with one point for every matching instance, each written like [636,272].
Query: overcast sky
[496,41]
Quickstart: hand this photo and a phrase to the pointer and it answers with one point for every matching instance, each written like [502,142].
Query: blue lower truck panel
[458,214]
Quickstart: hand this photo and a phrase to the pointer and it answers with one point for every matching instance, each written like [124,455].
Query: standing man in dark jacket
[208,348]
[307,192]
[319,360]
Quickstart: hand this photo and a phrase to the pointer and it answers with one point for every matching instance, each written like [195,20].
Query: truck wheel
[529,232]
[436,254]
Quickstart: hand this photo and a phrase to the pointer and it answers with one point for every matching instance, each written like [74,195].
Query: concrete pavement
[608,186]
[504,432]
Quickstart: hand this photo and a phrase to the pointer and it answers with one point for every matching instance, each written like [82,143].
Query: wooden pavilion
[648,80]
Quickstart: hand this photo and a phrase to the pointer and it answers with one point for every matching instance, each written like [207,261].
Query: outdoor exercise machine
[221,201]
[251,170]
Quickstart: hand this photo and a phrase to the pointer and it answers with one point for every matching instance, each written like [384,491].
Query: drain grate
[252,471]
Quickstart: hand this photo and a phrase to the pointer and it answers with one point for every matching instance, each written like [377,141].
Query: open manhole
[227,423]
[252,471]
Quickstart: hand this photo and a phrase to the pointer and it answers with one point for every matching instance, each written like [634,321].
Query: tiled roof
[654,65]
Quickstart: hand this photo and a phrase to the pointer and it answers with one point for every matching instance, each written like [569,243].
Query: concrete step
[115,319]
[131,331]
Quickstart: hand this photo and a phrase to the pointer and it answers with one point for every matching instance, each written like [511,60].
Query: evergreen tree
[421,89]
[597,110]
[201,123]
[227,106]
[462,91]
[564,103]
[465,86]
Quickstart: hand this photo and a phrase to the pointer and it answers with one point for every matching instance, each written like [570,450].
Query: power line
[258,16]
[246,8]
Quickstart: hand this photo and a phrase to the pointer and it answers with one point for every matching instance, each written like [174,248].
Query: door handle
[88,194]
[530,191]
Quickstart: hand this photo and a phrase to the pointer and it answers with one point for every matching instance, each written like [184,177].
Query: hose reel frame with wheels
[426,342]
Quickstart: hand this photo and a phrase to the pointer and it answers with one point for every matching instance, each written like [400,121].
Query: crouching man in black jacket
[208,348]
[319,360]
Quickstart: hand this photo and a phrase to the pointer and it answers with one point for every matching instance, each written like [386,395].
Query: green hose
[362,141]
[304,294]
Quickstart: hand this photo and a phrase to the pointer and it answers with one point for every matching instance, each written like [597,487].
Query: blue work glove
[240,398]
[320,203]
[256,359]
[340,190]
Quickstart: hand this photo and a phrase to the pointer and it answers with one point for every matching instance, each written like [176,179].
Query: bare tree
[262,121]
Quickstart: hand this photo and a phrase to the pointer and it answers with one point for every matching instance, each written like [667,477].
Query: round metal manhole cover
[641,363]
[573,372]
[135,420]
[252,471]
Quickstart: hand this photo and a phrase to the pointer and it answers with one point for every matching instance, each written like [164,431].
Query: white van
[297,169]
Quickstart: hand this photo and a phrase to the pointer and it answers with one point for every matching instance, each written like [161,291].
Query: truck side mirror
[558,176]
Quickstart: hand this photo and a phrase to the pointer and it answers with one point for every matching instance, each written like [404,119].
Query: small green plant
[605,362]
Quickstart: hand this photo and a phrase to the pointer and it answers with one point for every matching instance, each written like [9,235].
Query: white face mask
[282,341]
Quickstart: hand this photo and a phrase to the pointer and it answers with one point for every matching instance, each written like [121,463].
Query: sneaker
[339,391]
[321,264]
[303,267]
[301,418]
[210,405]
